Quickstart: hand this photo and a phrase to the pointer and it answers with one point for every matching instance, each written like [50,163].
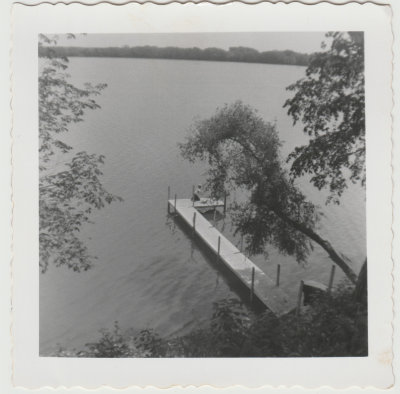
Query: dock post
[219,247]
[241,243]
[299,297]
[175,204]
[252,285]
[169,196]
[224,202]
[278,274]
[194,222]
[331,278]
[193,195]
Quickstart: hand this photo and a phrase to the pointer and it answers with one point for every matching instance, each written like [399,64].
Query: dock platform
[264,288]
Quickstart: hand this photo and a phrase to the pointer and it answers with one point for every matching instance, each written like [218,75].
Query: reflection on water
[150,271]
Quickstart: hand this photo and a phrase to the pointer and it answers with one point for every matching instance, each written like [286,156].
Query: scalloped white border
[32,371]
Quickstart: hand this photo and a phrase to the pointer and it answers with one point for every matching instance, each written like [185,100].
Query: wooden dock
[259,284]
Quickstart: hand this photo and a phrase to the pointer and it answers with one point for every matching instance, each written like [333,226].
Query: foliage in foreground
[330,103]
[334,326]
[67,196]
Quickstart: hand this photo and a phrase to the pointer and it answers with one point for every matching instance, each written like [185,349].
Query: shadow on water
[175,222]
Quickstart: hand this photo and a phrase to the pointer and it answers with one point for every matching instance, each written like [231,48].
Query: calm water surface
[149,272]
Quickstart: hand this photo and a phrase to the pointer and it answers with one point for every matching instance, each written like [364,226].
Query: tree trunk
[322,242]
[361,290]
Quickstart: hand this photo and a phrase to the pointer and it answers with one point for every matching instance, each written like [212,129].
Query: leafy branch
[67,197]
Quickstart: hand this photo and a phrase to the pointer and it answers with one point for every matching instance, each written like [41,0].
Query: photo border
[374,370]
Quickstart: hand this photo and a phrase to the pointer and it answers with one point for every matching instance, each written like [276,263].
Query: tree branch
[322,242]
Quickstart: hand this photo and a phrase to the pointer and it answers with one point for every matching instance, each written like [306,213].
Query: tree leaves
[330,103]
[242,152]
[67,197]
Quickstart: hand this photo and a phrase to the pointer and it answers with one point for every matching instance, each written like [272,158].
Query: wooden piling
[278,274]
[252,285]
[219,247]
[193,195]
[194,222]
[169,196]
[175,204]
[224,202]
[299,297]
[241,243]
[331,278]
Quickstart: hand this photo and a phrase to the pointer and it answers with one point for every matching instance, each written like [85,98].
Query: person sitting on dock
[197,193]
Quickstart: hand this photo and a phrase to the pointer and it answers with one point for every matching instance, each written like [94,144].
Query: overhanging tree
[66,197]
[242,151]
[330,103]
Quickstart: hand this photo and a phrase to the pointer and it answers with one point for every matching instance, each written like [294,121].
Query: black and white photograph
[202,195]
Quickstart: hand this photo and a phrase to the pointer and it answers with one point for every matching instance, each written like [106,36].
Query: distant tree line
[234,54]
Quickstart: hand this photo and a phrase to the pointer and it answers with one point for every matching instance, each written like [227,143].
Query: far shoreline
[233,55]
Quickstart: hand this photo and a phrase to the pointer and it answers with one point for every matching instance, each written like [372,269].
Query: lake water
[150,273]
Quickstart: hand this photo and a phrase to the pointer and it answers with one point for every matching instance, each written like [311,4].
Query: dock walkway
[265,289]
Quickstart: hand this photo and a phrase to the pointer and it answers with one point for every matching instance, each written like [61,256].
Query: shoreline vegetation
[331,325]
[234,54]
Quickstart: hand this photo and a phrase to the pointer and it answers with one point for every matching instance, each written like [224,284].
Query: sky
[305,42]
